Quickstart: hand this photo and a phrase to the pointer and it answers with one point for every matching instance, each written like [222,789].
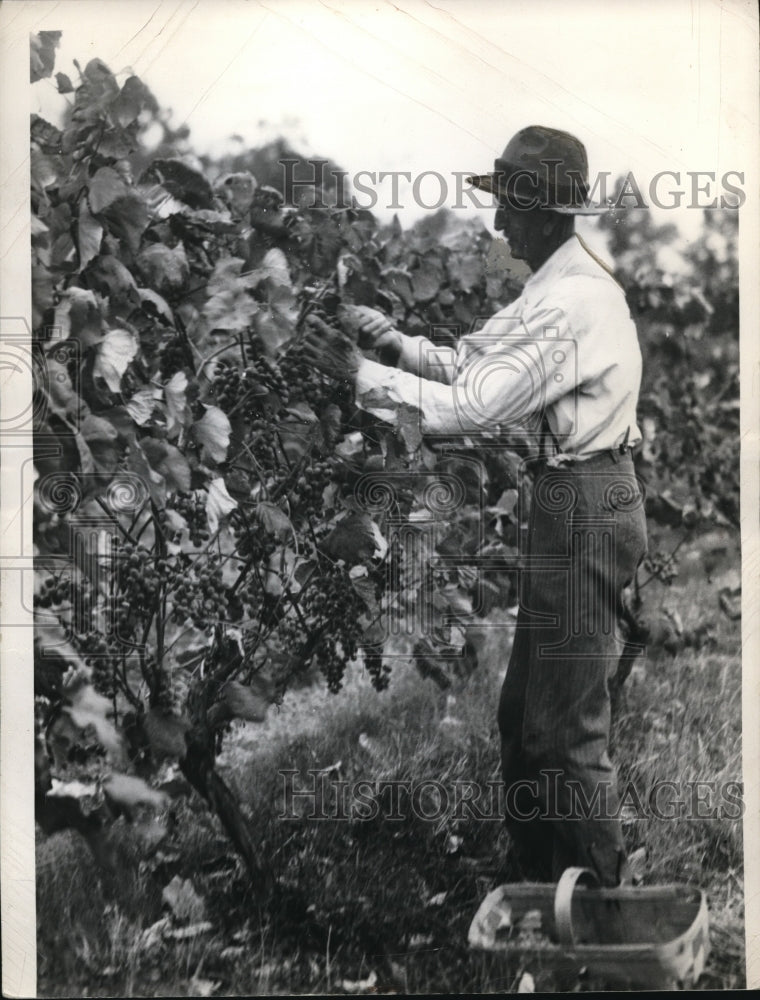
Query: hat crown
[536,148]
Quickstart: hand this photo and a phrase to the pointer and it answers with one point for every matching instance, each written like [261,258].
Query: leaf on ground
[420,940]
[184,902]
[115,353]
[129,792]
[203,987]
[152,936]
[438,899]
[527,983]
[212,432]
[360,985]
[218,503]
[189,932]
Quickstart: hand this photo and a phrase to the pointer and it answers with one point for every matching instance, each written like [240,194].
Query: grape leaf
[177,410]
[78,314]
[88,708]
[181,181]
[426,280]
[65,86]
[274,520]
[129,792]
[110,277]
[115,353]
[354,539]
[141,406]
[127,219]
[237,191]
[132,98]
[42,48]
[218,503]
[154,305]
[163,268]
[89,235]
[212,432]
[169,462]
[105,187]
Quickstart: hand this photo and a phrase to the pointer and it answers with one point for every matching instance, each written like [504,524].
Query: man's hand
[372,330]
[330,351]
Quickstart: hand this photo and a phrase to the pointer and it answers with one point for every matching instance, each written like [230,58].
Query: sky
[435,86]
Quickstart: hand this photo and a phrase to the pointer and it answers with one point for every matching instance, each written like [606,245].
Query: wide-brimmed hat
[542,167]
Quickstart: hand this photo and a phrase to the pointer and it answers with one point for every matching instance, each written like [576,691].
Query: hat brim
[489,184]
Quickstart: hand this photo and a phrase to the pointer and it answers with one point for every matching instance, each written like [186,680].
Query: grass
[394,897]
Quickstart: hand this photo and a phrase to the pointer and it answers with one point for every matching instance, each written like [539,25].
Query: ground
[385,904]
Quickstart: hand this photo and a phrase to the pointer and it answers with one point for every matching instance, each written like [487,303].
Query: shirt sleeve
[500,382]
[420,356]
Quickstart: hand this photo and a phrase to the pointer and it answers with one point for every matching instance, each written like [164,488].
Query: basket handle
[563,902]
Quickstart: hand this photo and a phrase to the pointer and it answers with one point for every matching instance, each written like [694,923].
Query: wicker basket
[653,937]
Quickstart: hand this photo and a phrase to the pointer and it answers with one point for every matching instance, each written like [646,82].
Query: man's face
[523,230]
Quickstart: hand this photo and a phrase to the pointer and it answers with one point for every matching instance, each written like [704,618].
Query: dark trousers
[586,536]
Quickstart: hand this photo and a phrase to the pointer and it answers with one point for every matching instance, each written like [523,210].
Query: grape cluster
[54,590]
[249,388]
[102,654]
[306,383]
[263,445]
[378,670]
[198,593]
[192,506]
[138,581]
[251,543]
[336,607]
[306,493]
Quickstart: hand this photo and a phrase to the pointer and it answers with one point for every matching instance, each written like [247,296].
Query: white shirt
[567,347]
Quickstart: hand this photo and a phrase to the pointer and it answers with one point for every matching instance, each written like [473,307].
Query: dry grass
[355,896]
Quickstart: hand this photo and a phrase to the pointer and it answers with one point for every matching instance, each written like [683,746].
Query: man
[565,355]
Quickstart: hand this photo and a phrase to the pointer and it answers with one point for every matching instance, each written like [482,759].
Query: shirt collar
[564,256]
